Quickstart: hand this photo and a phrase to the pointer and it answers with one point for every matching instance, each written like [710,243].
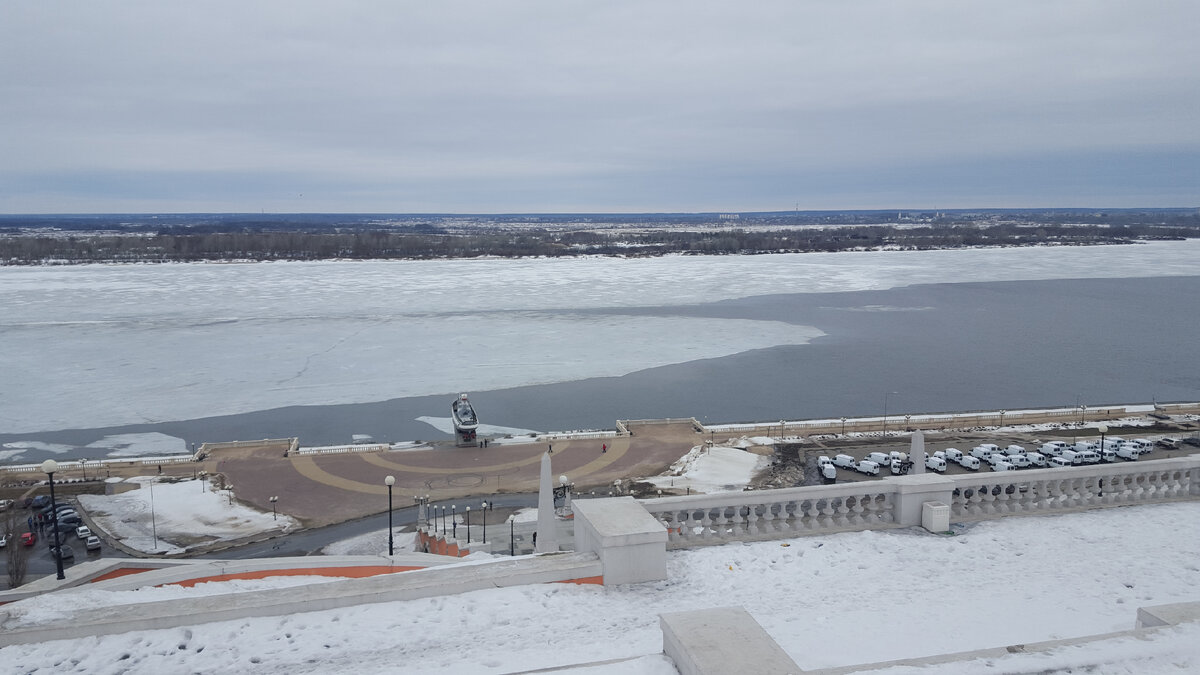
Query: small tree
[17,555]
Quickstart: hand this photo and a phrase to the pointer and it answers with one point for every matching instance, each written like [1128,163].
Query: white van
[1002,466]
[1053,448]
[1069,456]
[1014,450]
[844,461]
[968,462]
[822,460]
[1087,446]
[953,454]
[868,467]
[937,464]
[1088,457]
[880,458]
[997,457]
[940,454]
[898,456]
[1128,452]
[1018,461]
[1058,462]
[981,451]
[1143,445]
[1108,455]
[829,472]
[1036,459]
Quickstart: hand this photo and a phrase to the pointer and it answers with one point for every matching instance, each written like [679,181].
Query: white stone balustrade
[700,520]
[897,501]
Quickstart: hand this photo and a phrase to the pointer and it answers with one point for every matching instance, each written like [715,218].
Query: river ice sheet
[105,345]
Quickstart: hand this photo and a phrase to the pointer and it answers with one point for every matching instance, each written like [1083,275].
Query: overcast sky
[567,106]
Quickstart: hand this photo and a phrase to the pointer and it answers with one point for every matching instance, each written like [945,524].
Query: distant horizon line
[1008,209]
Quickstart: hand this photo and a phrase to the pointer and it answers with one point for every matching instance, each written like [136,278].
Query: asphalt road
[301,543]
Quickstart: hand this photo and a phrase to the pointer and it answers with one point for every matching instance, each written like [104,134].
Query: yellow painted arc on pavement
[616,450]
[377,460]
[308,468]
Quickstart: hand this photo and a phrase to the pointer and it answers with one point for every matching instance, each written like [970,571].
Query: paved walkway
[324,489]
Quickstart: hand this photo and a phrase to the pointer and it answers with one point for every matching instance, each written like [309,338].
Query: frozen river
[206,352]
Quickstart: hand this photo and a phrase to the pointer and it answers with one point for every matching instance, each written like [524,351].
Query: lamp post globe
[389,482]
[49,467]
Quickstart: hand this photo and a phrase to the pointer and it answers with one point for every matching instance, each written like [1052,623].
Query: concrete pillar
[913,491]
[631,543]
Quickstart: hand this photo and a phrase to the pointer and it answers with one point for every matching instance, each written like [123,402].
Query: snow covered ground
[828,600]
[173,517]
[147,343]
[707,470]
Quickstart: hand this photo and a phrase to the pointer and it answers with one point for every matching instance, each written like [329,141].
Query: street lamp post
[389,482]
[485,510]
[1001,418]
[512,547]
[454,520]
[843,426]
[274,513]
[885,403]
[468,524]
[1103,429]
[49,467]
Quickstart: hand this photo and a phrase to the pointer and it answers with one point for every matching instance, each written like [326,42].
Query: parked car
[844,461]
[896,455]
[70,521]
[83,532]
[1036,459]
[829,472]
[40,501]
[1169,442]
[1088,457]
[953,455]
[93,543]
[3,540]
[936,463]
[880,458]
[996,457]
[67,551]
[822,460]
[1003,466]
[1128,453]
[28,539]
[1014,450]
[5,504]
[1053,448]
[982,451]
[1018,461]
[969,463]
[1058,462]
[1086,446]
[868,467]
[1071,456]
[1108,455]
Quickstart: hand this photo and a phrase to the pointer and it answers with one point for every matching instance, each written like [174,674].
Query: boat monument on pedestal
[465,422]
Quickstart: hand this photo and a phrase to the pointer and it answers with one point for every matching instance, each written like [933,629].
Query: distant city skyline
[535,107]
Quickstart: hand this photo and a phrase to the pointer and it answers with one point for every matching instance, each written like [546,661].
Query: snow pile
[175,517]
[371,543]
[711,469]
[910,594]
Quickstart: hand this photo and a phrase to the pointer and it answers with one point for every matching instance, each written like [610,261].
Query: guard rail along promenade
[899,501]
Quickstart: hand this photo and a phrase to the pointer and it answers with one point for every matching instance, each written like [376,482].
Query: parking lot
[796,464]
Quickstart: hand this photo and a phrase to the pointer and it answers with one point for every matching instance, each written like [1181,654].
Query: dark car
[40,501]
[67,551]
